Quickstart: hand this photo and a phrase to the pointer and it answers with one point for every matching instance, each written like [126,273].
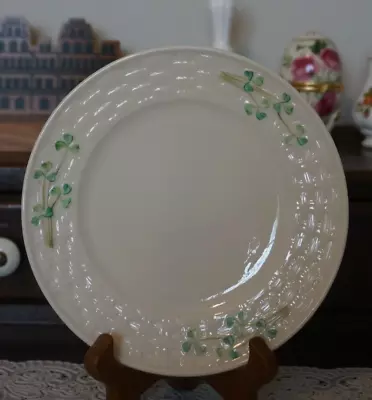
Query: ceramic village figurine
[312,64]
[35,77]
[362,112]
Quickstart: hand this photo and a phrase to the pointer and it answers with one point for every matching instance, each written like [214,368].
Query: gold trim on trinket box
[318,87]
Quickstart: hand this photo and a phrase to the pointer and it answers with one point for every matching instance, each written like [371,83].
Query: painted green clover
[249,87]
[50,196]
[298,137]
[67,143]
[193,342]
[237,323]
[45,172]
[234,334]
[252,83]
[266,329]
[55,194]
[226,347]
[285,104]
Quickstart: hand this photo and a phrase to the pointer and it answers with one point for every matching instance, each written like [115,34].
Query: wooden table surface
[16,142]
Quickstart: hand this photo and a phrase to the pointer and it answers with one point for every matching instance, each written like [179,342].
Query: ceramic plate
[184,200]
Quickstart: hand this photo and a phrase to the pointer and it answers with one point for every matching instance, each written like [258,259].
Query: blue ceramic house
[34,78]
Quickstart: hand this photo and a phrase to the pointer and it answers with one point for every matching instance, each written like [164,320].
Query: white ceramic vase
[362,110]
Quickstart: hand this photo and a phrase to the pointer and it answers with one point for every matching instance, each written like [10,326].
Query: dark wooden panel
[331,340]
[21,285]
[11,181]
[40,342]
[353,284]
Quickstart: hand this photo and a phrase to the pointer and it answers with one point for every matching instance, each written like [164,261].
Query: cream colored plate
[185,200]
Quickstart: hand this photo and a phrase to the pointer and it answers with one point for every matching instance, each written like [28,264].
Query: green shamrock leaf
[248,88]
[271,333]
[286,97]
[300,129]
[288,108]
[200,349]
[60,145]
[248,108]
[66,202]
[74,148]
[52,177]
[302,140]
[191,333]
[46,166]
[229,340]
[234,354]
[35,221]
[186,347]
[68,138]
[38,174]
[277,107]
[48,212]
[242,316]
[265,103]
[260,324]
[288,139]
[249,74]
[66,188]
[259,80]
[37,208]
[55,191]
[230,321]
[219,352]
[260,115]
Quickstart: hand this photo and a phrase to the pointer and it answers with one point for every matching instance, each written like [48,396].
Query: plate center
[175,191]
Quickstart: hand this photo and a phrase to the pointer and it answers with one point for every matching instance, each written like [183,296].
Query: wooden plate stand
[124,383]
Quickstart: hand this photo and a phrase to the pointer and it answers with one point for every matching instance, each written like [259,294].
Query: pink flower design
[304,68]
[326,104]
[331,59]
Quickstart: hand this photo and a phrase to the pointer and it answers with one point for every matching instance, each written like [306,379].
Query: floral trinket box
[312,64]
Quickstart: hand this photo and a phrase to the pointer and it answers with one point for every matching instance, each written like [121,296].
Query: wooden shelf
[17,140]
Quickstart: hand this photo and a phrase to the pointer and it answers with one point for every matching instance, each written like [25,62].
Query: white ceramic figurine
[362,111]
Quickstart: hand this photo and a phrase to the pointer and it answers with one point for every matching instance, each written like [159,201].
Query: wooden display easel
[124,383]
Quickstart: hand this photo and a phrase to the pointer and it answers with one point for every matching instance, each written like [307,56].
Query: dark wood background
[29,328]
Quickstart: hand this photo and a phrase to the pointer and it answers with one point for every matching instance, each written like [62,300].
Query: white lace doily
[50,380]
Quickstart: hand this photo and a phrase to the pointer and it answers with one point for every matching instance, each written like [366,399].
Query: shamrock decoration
[238,325]
[285,104]
[238,322]
[299,137]
[45,172]
[193,341]
[67,143]
[227,347]
[251,83]
[249,87]
[55,193]
[267,330]
[252,80]
[48,174]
